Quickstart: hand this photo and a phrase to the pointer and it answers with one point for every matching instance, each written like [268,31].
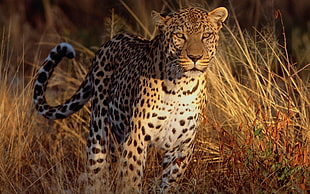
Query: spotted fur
[143,92]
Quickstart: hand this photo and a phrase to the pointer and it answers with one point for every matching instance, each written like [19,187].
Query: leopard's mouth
[195,66]
[193,72]
[195,69]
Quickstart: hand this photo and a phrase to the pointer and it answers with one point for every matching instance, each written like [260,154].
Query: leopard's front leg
[175,163]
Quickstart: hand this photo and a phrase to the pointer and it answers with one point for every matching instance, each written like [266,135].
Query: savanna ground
[256,133]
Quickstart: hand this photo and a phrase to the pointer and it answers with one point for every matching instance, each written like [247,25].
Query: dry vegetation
[257,123]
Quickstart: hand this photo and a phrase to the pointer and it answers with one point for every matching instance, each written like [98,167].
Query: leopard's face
[191,37]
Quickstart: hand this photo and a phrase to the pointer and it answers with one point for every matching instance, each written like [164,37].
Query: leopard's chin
[194,72]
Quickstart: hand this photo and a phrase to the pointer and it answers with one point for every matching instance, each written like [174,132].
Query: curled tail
[73,104]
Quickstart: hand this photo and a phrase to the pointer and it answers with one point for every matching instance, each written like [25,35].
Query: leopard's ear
[159,20]
[218,16]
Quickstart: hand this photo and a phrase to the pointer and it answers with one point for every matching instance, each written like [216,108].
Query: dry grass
[255,138]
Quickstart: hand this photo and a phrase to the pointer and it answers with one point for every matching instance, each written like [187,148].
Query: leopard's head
[190,37]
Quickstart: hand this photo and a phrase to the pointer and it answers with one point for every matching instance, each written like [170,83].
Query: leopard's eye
[206,35]
[180,35]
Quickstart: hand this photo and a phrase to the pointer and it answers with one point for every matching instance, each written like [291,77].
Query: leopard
[143,93]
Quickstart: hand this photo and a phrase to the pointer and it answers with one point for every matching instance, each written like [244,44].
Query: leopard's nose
[194,58]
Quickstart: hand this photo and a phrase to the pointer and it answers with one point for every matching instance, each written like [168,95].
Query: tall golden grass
[254,139]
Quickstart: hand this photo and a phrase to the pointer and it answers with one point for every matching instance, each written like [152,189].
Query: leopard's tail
[71,105]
